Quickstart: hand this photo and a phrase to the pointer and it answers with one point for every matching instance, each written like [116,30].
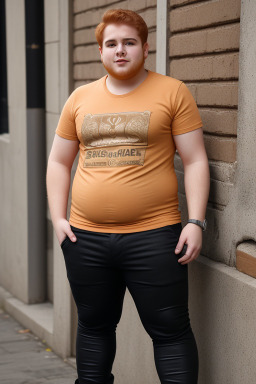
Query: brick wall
[87,14]
[203,50]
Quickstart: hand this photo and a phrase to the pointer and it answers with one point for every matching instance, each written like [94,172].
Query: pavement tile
[25,360]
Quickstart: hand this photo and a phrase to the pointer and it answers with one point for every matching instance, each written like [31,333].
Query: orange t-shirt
[125,179]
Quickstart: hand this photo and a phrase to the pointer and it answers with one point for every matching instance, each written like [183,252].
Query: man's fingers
[184,259]
[71,236]
[186,255]
[190,255]
[179,246]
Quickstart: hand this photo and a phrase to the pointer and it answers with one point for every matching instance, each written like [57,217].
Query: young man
[125,227]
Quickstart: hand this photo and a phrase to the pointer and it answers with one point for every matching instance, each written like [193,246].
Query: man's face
[122,53]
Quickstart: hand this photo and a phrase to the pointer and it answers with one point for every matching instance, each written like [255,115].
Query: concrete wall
[13,160]
[58,24]
[223,311]
[246,155]
[52,107]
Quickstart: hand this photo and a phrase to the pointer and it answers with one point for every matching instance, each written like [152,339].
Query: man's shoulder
[85,88]
[166,80]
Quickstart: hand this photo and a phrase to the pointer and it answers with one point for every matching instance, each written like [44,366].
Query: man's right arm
[60,162]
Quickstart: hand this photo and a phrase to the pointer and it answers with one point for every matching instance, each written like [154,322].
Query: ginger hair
[122,16]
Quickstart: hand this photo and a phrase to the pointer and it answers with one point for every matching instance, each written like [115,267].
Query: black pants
[99,268]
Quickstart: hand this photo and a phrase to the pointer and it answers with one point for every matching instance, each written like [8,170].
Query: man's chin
[125,75]
[122,76]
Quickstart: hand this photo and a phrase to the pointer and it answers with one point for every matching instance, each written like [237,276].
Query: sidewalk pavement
[25,359]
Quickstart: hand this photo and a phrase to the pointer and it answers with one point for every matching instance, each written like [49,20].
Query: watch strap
[201,224]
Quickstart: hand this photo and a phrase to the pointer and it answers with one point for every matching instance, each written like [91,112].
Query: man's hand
[192,236]
[62,229]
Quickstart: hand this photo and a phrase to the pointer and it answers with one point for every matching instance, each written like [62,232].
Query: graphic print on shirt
[115,139]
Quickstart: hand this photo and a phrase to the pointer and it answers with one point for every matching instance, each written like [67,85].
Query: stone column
[162,28]
[246,151]
[57,39]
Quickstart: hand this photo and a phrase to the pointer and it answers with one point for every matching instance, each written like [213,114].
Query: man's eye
[111,45]
[130,43]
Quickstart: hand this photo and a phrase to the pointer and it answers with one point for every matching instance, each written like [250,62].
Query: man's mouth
[121,61]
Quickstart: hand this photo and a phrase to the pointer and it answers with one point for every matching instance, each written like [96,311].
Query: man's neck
[120,87]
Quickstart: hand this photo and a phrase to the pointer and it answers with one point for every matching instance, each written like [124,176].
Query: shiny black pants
[99,268]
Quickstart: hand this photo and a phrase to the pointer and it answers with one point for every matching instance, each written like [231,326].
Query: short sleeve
[66,127]
[186,116]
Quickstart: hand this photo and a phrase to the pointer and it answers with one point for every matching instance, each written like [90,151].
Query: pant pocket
[65,241]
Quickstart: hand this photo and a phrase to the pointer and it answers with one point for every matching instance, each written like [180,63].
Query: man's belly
[120,202]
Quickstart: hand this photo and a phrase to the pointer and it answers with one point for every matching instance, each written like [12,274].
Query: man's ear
[100,49]
[145,50]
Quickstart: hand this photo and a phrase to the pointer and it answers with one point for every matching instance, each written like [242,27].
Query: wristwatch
[202,224]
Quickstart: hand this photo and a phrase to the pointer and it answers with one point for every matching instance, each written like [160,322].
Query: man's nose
[120,49]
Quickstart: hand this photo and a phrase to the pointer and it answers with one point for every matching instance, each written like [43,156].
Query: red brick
[223,171]
[220,148]
[206,41]
[86,53]
[204,14]
[87,19]
[88,71]
[176,3]
[79,83]
[152,41]
[220,193]
[219,121]
[151,62]
[214,67]
[84,36]
[149,16]
[82,5]
[136,5]
[215,94]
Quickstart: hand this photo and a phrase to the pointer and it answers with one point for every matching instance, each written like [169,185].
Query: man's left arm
[197,181]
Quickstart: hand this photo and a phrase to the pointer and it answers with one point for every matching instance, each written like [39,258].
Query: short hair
[122,16]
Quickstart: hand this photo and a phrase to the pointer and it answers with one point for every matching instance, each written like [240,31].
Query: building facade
[49,49]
